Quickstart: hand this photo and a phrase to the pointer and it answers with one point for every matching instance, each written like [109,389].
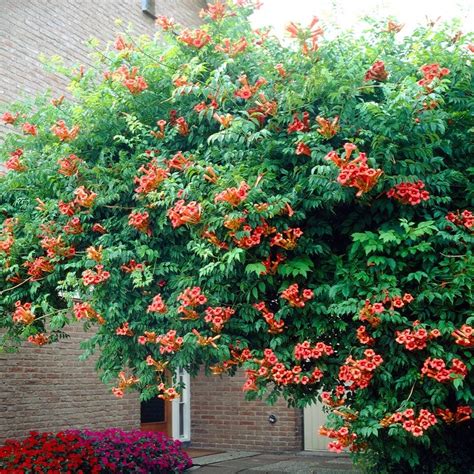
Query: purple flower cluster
[137,452]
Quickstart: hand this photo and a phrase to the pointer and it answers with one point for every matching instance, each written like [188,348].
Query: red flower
[63,133]
[303,149]
[157,305]
[294,298]
[409,193]
[29,129]
[355,173]
[94,277]
[183,213]
[9,118]
[328,128]
[141,221]
[376,72]
[195,38]
[234,196]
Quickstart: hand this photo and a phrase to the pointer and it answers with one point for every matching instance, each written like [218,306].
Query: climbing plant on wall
[300,208]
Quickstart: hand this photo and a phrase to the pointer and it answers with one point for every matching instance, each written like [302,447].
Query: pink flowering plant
[97,452]
[299,209]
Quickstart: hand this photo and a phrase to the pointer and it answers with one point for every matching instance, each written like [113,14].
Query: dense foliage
[218,197]
[109,451]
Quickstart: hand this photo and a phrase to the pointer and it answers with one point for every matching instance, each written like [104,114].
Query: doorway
[170,417]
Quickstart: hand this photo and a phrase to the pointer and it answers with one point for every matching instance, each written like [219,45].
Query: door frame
[181,429]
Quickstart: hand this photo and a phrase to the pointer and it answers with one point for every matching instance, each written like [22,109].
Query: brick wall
[49,388]
[28,28]
[221,418]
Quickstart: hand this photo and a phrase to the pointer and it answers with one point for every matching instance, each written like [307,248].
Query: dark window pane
[152,411]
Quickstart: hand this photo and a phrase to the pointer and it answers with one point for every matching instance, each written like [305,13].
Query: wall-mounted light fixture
[148,8]
[272,419]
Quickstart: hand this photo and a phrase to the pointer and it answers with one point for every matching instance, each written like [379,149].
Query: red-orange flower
[63,133]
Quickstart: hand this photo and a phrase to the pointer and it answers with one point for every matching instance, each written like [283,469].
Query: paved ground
[233,462]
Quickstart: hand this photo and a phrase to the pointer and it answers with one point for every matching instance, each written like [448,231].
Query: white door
[314,418]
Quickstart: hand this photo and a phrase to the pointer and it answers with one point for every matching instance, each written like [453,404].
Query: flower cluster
[73,226]
[409,193]
[123,383]
[308,37]
[56,247]
[38,267]
[464,336]
[294,298]
[94,277]
[131,80]
[7,238]
[437,369]
[48,452]
[63,133]
[179,162]
[430,73]
[233,196]
[462,413]
[302,149]
[148,337]
[84,197]
[95,253]
[287,239]
[329,128]
[416,426]
[462,219]
[39,339]
[246,91]
[276,327]
[23,313]
[124,330]
[137,451]
[29,129]
[335,399]
[191,298]
[358,373]
[299,125]
[253,237]
[369,311]
[355,173]
[68,166]
[271,266]
[169,343]
[157,305]
[167,393]
[165,22]
[343,438]
[217,317]
[152,177]
[363,336]
[215,11]
[141,221]
[195,38]
[416,339]
[376,72]
[85,311]
[9,118]
[304,350]
[183,213]
[14,163]
[232,49]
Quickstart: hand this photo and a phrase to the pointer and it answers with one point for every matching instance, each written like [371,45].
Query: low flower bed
[84,451]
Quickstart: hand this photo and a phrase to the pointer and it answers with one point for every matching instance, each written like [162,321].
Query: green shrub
[215,197]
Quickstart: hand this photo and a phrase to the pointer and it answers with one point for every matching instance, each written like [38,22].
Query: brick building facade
[49,388]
